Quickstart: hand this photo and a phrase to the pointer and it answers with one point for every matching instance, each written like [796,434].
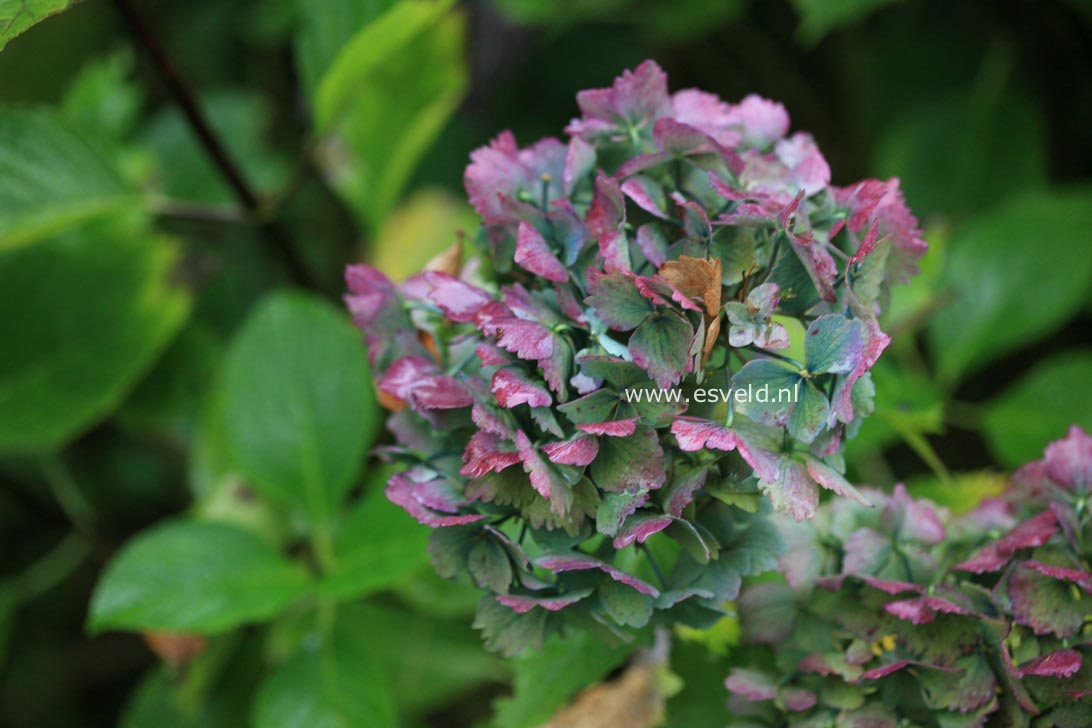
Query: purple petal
[483,455]
[402,491]
[606,218]
[751,684]
[761,122]
[1031,533]
[644,192]
[885,670]
[798,699]
[1077,576]
[559,563]
[522,604]
[1069,461]
[459,300]
[709,114]
[534,255]
[830,479]
[616,428]
[693,433]
[639,527]
[513,387]
[916,519]
[792,492]
[581,450]
[921,610]
[1060,663]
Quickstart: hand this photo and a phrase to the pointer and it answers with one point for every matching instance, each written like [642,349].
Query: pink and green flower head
[542,386]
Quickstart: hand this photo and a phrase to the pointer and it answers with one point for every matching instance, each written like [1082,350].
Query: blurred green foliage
[154,365]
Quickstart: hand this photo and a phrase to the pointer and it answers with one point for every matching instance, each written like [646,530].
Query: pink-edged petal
[644,192]
[580,450]
[441,392]
[751,684]
[888,586]
[693,434]
[639,527]
[513,387]
[543,479]
[1078,576]
[798,699]
[1060,663]
[535,256]
[606,218]
[833,481]
[483,455]
[522,604]
[404,374]
[921,610]
[559,563]
[403,491]
[1031,533]
[615,428]
[579,161]
[885,670]
[761,122]
[915,519]
[1069,461]
[459,300]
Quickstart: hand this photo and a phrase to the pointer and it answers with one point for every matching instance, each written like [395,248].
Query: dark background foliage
[982,108]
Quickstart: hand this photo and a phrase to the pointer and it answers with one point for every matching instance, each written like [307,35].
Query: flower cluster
[907,614]
[675,240]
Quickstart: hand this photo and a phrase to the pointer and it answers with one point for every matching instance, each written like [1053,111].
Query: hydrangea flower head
[905,613]
[544,391]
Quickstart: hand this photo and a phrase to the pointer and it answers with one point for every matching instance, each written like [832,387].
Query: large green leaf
[52,177]
[82,316]
[1039,408]
[299,409]
[341,683]
[430,660]
[325,27]
[1017,273]
[17,16]
[956,155]
[385,96]
[184,171]
[198,577]
[377,546]
[548,678]
[819,17]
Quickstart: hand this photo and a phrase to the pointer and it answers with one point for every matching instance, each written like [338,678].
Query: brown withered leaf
[696,278]
[450,261]
[712,331]
[175,648]
[633,700]
[699,278]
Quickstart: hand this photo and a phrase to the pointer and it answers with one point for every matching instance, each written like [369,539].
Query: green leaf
[325,27]
[546,679]
[170,399]
[625,605]
[1018,273]
[82,317]
[17,16]
[377,547]
[956,155]
[184,171]
[385,98]
[299,409]
[104,97]
[189,576]
[430,660]
[1038,409]
[52,177]
[342,683]
[819,17]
